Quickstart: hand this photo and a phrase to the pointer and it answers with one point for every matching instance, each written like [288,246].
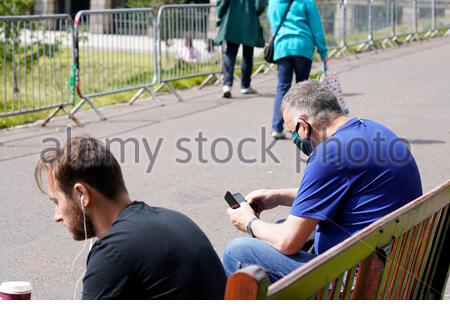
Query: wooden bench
[404,255]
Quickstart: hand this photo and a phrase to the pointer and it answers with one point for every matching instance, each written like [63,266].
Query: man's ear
[304,128]
[81,193]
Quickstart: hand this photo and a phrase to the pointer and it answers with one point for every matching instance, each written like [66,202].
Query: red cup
[15,290]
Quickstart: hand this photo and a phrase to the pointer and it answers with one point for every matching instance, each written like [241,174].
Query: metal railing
[331,13]
[186,44]
[115,51]
[365,22]
[37,56]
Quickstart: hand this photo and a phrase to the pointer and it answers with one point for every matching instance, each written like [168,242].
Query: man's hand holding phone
[240,212]
[243,210]
[263,199]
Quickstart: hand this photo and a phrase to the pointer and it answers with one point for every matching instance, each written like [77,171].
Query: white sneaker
[278,135]
[226,92]
[249,90]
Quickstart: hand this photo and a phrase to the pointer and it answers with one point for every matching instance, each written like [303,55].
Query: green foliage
[15,7]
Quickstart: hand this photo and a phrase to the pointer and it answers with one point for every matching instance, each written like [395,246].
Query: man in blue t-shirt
[357,172]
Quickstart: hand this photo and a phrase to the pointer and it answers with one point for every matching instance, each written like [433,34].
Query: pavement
[406,88]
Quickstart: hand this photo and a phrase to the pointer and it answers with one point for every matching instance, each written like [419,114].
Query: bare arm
[266,199]
[287,196]
[287,237]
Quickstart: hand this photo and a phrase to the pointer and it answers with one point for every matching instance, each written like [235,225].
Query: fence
[186,44]
[366,21]
[331,13]
[115,51]
[37,55]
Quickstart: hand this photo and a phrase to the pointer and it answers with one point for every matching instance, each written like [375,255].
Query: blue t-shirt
[363,172]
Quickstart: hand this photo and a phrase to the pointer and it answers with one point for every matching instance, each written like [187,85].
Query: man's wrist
[249,227]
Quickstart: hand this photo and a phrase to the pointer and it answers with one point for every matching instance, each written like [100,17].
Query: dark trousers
[229,59]
[286,68]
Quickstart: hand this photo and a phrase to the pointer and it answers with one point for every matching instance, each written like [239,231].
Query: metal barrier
[442,13]
[423,14]
[37,54]
[382,14]
[331,13]
[357,21]
[371,23]
[186,44]
[115,51]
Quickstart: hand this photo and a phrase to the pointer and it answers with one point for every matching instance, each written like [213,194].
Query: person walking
[300,33]
[238,22]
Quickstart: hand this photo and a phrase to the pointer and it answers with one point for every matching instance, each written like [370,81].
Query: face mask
[303,144]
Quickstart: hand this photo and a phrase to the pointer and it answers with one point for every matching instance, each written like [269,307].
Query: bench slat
[347,293]
[427,287]
[423,266]
[411,245]
[418,250]
[429,231]
[442,263]
[336,292]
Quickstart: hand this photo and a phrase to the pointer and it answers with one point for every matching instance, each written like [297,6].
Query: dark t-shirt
[153,253]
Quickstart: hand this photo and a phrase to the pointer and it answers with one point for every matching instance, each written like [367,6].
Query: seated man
[358,171]
[142,252]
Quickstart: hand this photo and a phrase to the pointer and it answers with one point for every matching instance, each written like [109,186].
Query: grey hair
[313,99]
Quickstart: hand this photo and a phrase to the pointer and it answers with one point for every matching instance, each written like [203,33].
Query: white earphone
[84,246]
[82,201]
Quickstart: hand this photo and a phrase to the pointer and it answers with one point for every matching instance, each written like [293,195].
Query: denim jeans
[286,68]
[229,60]
[243,252]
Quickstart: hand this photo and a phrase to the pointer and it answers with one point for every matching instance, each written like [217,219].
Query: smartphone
[234,199]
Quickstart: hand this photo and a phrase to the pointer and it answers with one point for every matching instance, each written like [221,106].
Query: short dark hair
[82,159]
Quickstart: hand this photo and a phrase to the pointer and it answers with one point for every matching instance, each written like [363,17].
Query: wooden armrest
[249,283]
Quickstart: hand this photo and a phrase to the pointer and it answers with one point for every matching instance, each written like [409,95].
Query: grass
[35,80]
[42,82]
[100,101]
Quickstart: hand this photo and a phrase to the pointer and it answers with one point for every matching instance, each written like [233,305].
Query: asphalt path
[185,155]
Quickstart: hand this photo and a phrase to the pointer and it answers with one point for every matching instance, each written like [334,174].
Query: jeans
[229,59]
[243,252]
[286,68]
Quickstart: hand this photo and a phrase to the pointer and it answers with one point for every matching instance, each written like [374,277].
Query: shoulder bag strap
[282,19]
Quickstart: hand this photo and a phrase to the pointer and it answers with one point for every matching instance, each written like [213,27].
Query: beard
[76,226]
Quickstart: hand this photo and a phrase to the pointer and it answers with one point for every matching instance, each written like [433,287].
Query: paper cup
[15,290]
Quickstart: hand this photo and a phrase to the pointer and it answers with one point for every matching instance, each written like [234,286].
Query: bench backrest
[404,255]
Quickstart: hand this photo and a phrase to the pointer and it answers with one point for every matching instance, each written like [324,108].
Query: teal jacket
[238,22]
[301,32]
